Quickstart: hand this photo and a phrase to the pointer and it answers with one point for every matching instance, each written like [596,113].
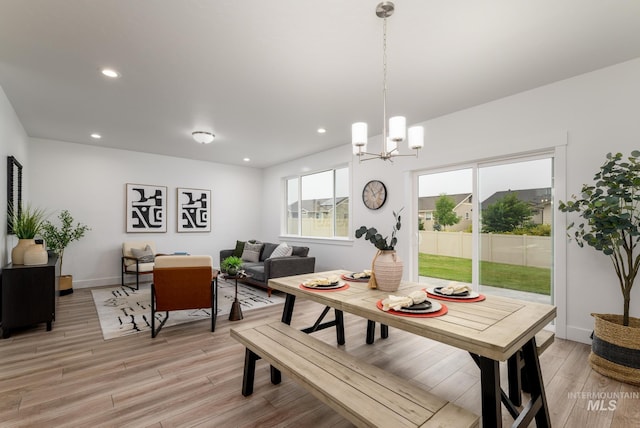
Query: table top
[495,328]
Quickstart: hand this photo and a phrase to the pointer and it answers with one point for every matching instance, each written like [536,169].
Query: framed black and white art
[146,208]
[194,210]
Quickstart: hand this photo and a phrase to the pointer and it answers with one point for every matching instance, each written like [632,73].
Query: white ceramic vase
[17,254]
[387,268]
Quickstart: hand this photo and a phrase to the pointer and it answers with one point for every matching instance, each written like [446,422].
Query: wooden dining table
[491,330]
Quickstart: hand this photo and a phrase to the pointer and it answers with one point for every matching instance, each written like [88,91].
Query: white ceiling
[263,77]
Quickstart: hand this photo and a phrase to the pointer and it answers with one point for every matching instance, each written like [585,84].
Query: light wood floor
[189,376]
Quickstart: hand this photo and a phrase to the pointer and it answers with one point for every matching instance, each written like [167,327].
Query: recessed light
[246,159]
[321,130]
[96,136]
[109,72]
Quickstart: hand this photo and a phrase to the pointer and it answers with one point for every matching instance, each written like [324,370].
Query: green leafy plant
[58,238]
[371,234]
[28,223]
[611,212]
[231,264]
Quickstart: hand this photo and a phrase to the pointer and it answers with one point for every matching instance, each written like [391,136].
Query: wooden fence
[522,250]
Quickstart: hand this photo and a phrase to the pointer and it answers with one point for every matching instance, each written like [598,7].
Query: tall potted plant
[58,238]
[26,224]
[386,266]
[610,209]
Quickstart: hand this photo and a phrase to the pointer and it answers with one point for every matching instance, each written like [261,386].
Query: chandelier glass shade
[397,130]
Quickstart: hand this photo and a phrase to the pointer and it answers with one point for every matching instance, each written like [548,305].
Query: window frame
[285,233]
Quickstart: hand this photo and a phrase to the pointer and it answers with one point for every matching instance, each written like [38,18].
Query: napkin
[314,282]
[364,274]
[398,302]
[454,288]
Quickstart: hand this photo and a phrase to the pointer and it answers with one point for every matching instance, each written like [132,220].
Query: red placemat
[480,298]
[346,278]
[302,287]
[439,313]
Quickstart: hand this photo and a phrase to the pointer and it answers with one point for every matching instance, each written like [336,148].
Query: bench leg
[276,376]
[384,331]
[371,332]
[249,372]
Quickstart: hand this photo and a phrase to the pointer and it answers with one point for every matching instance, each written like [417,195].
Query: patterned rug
[123,311]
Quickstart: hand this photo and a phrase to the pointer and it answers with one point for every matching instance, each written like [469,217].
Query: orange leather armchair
[183,282]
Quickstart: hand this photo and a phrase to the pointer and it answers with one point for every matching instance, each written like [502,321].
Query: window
[318,204]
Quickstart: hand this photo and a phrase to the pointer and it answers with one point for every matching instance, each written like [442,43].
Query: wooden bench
[362,393]
[515,367]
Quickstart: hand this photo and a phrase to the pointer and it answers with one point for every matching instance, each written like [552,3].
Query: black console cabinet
[28,296]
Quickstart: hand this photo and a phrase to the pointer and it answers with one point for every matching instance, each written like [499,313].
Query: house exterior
[539,199]
[463,208]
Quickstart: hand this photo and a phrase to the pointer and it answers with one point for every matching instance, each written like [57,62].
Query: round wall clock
[374,194]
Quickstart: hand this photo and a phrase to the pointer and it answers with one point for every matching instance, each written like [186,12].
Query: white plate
[471,295]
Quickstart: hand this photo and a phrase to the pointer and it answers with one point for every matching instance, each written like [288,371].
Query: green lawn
[523,278]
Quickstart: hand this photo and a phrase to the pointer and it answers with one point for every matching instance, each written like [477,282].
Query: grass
[514,277]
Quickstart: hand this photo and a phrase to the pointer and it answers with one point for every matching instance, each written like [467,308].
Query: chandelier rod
[384,84]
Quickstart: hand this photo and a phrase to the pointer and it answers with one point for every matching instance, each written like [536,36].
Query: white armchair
[137,259]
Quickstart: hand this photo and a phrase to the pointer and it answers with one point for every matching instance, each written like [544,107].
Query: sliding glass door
[489,225]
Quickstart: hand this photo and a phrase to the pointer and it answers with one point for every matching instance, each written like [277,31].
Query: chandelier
[397,124]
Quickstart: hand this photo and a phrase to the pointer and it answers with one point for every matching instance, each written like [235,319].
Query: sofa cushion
[267,250]
[144,255]
[300,251]
[256,270]
[239,249]
[282,250]
[251,252]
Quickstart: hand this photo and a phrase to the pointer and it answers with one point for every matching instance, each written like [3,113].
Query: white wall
[599,113]
[13,142]
[90,183]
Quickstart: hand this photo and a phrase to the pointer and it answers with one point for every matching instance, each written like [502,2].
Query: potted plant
[386,266]
[231,265]
[26,224]
[610,210]
[58,238]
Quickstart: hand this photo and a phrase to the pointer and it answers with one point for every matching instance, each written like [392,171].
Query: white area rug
[123,311]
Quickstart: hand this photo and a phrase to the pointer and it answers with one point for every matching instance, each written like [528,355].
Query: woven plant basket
[615,351]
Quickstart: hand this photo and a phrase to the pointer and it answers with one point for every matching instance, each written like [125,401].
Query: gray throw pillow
[251,252]
[144,256]
[282,250]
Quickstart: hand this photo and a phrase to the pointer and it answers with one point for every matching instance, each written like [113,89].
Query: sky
[514,176]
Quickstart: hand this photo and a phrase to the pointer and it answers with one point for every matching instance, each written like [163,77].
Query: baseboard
[578,334]
[100,282]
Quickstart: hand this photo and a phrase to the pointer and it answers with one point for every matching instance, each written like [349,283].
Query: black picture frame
[14,191]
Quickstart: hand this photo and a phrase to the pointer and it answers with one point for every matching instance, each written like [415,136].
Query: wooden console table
[28,295]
